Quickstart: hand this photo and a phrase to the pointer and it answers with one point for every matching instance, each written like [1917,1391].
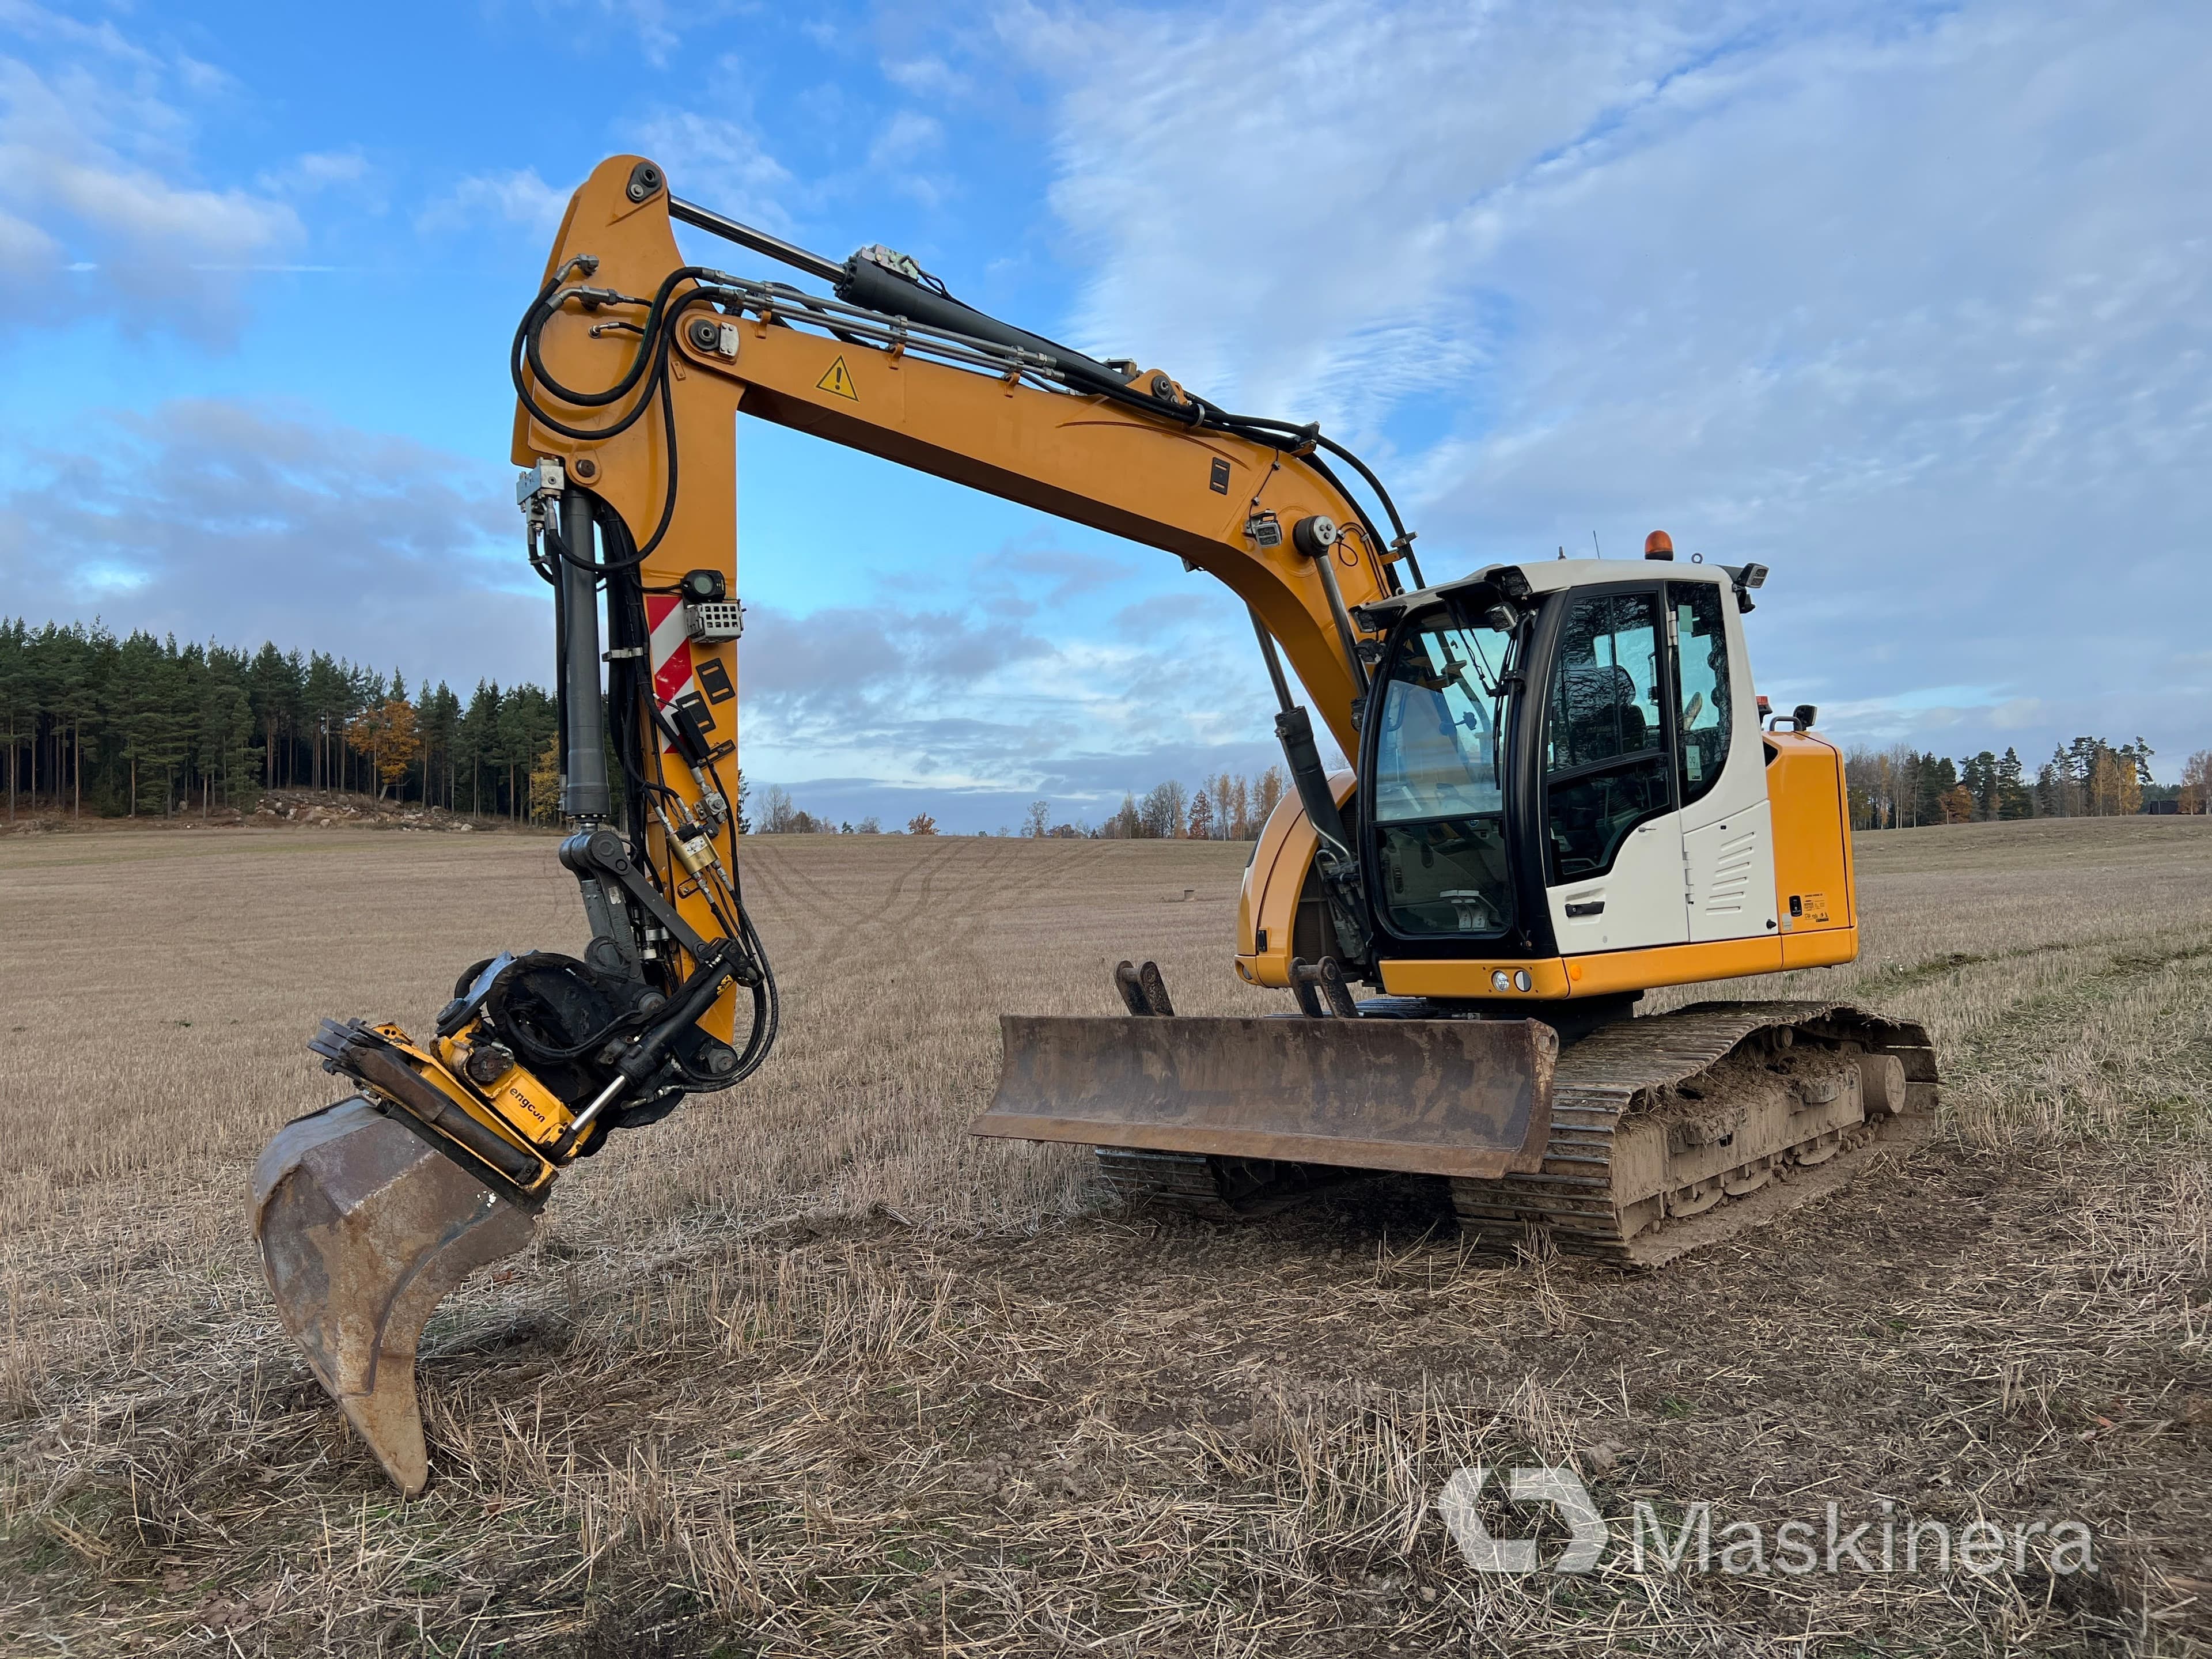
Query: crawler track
[1648,1158]
[1667,1133]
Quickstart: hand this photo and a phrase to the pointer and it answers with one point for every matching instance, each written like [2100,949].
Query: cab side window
[1605,765]
[1703,721]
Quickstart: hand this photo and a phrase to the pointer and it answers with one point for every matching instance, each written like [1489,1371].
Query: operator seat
[1602,717]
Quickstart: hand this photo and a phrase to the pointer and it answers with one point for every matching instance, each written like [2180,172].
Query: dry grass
[810,1371]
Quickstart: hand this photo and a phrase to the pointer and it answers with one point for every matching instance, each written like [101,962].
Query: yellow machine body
[517,1108]
[515,1103]
[1814,898]
[1478,1064]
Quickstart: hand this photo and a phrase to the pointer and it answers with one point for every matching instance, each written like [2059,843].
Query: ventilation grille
[1731,878]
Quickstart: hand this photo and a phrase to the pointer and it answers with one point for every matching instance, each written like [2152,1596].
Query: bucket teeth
[363,1229]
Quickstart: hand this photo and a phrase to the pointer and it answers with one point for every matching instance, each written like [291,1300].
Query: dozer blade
[363,1229]
[1435,1097]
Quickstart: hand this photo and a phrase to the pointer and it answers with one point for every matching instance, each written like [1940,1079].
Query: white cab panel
[1728,866]
[1642,895]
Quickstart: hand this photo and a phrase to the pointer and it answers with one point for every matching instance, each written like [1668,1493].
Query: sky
[1906,302]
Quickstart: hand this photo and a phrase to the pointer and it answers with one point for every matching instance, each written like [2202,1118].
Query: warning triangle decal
[838,382]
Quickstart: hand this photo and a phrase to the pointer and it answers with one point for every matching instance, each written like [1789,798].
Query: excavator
[1565,794]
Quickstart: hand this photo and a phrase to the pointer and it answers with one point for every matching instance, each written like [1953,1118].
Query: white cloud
[32,23]
[518,197]
[719,160]
[1231,212]
[96,176]
[654,27]
[899,151]
[906,138]
[24,246]
[242,522]
[318,170]
[151,214]
[1043,675]
[926,76]
[1912,305]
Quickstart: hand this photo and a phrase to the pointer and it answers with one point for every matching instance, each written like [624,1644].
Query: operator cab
[1564,759]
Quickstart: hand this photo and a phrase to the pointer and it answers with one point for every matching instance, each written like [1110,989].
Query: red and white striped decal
[671,651]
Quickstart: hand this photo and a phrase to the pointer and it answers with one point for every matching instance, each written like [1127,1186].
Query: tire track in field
[1001,898]
[831,919]
[1900,976]
[2006,1052]
[799,885]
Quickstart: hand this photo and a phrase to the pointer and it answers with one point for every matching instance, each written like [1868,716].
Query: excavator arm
[630,367]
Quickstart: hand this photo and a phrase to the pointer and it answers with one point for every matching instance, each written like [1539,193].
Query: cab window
[1606,764]
[1439,808]
[1702,723]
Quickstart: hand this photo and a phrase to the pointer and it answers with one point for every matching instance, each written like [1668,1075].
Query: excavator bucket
[1437,1097]
[364,1228]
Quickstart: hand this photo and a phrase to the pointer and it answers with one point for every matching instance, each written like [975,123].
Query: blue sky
[1906,302]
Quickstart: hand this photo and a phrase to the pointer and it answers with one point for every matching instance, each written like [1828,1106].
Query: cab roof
[1514,582]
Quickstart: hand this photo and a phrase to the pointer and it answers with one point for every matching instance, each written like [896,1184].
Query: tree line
[90,722]
[1890,789]
[142,724]
[1224,807]
[1898,789]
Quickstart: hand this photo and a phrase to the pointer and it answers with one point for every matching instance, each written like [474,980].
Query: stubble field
[808,1370]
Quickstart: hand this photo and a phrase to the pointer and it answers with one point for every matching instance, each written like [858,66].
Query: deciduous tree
[386,734]
[1269,792]
[1161,814]
[545,783]
[2197,782]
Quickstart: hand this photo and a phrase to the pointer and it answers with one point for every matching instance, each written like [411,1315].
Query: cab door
[1727,829]
[1612,825]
